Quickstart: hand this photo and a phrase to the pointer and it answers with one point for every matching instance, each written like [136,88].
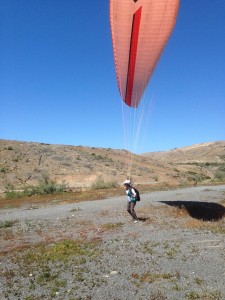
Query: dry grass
[82,222]
[160,214]
[193,224]
[132,235]
[67,197]
[215,227]
[205,295]
[7,235]
[222,202]
[150,277]
[173,215]
[111,226]
[189,222]
[175,212]
[104,213]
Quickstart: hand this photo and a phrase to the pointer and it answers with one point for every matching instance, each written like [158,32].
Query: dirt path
[93,250]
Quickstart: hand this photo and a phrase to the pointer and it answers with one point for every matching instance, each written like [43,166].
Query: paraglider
[140,30]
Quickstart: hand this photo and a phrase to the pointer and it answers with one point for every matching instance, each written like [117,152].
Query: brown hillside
[201,153]
[27,164]
[200,162]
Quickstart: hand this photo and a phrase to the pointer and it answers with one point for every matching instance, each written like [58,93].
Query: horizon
[58,79]
[121,149]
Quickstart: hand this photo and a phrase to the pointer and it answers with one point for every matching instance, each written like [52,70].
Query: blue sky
[58,83]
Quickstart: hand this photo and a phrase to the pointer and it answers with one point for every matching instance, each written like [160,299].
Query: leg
[129,208]
[133,213]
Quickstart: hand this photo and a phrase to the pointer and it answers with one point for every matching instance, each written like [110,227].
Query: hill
[200,162]
[201,153]
[28,163]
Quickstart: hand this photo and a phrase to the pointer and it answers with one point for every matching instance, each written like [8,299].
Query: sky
[58,82]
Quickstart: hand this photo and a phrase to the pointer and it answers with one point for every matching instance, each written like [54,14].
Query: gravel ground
[93,250]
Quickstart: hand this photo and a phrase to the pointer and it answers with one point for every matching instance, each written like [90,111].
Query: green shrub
[100,183]
[219,175]
[10,148]
[6,224]
[45,188]
[222,168]
[41,189]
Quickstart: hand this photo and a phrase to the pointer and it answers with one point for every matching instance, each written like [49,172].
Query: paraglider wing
[140,30]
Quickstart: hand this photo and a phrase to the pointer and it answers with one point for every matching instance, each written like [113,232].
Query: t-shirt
[131,195]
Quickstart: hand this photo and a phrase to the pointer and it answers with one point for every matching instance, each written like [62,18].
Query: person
[131,195]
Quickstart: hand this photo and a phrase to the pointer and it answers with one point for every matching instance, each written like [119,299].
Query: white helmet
[127,181]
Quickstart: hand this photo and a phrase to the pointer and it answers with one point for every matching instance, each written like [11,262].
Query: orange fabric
[157,21]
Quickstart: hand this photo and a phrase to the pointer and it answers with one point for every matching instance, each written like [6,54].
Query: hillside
[27,164]
[199,153]
[200,162]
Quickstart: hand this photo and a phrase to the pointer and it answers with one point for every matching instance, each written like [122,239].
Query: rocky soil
[93,250]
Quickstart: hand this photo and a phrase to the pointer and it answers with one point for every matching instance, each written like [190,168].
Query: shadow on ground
[206,211]
[143,219]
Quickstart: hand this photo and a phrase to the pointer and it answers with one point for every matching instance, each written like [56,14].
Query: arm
[133,193]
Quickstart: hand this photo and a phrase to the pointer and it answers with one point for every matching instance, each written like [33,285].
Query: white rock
[113,272]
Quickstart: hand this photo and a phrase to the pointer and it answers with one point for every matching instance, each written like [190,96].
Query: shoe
[135,221]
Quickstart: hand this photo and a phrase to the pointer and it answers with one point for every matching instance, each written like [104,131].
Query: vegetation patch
[219,175]
[148,248]
[2,170]
[75,209]
[222,202]
[206,295]
[61,251]
[6,224]
[44,188]
[111,226]
[197,177]
[43,268]
[100,183]
[214,227]
[149,277]
[67,197]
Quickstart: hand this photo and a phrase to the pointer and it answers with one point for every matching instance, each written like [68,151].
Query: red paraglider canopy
[140,30]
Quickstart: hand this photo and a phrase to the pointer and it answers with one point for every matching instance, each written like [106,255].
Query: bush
[46,188]
[42,189]
[198,177]
[6,224]
[222,168]
[2,170]
[219,175]
[101,184]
